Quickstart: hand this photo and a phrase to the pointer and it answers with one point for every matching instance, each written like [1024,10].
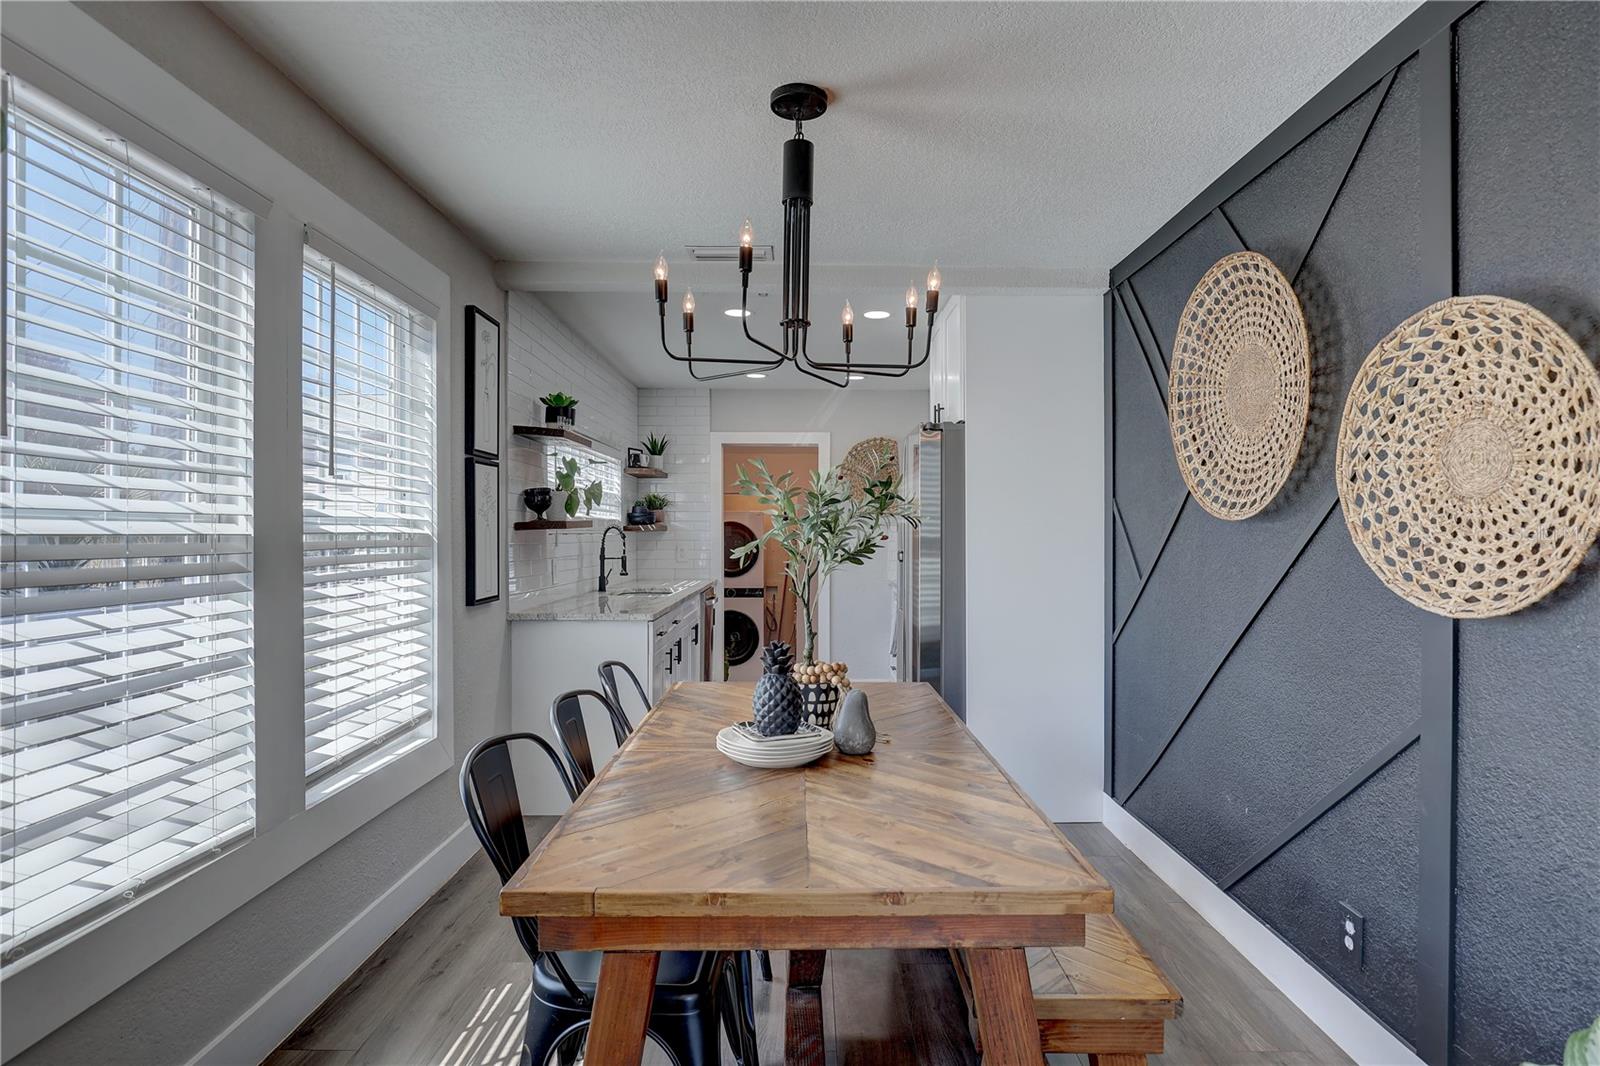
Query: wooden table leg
[1006,1022]
[622,1008]
[802,1010]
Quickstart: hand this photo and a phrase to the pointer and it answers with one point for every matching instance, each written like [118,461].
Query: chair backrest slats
[566,718]
[608,681]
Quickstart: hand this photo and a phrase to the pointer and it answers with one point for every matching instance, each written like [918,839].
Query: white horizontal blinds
[125,605]
[367,396]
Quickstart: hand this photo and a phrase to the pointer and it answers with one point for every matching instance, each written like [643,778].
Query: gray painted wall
[1330,669]
[172,1010]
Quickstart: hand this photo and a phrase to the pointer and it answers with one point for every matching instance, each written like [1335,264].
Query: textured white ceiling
[1017,143]
[988,135]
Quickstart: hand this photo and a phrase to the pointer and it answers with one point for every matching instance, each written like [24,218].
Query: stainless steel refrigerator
[931,593]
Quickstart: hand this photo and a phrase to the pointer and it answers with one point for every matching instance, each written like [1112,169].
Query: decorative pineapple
[777,704]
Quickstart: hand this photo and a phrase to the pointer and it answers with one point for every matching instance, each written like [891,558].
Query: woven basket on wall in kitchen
[1239,388]
[872,459]
[1469,457]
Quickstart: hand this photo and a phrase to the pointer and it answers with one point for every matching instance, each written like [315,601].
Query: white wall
[862,614]
[689,548]
[1036,541]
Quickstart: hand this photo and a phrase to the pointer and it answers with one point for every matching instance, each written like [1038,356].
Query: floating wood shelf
[561,433]
[654,527]
[644,471]
[555,523]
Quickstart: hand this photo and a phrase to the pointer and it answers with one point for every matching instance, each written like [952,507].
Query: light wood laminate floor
[449,989]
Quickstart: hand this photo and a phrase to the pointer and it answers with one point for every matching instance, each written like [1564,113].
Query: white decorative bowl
[743,744]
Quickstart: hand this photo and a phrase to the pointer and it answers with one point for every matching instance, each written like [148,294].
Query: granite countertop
[617,605]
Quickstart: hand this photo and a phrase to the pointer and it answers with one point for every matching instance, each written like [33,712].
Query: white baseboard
[260,1029]
[1347,1024]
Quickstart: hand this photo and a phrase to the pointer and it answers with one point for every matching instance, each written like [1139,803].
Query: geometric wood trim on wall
[1430,734]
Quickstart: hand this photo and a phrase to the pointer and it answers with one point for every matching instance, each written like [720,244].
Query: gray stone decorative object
[853,731]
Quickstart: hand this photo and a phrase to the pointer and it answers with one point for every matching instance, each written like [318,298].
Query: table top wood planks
[926,842]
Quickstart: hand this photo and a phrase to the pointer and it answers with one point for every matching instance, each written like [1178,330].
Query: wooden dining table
[924,843]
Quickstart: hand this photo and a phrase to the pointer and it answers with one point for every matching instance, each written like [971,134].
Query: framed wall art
[483,384]
[483,531]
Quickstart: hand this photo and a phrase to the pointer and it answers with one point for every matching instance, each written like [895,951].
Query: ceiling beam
[615,276]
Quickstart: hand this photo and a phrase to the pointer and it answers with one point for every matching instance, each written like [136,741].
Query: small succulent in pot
[657,504]
[560,409]
[640,515]
[655,445]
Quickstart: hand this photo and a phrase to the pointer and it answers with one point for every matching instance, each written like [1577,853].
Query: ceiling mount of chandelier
[799,103]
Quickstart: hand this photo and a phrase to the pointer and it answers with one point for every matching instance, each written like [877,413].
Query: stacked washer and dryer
[744,596]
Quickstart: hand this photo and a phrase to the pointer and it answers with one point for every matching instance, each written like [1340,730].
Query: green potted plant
[593,493]
[657,504]
[655,446]
[560,409]
[822,528]
[567,482]
[1583,1047]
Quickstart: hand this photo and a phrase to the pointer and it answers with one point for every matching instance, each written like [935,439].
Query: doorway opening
[756,604]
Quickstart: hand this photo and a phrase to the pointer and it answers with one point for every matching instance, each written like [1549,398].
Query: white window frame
[66,54]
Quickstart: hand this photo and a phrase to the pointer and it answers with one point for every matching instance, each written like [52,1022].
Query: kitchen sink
[664,590]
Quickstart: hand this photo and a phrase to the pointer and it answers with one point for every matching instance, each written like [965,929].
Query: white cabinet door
[948,366]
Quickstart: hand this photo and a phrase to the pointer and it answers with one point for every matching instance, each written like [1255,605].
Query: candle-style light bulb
[933,288]
[688,311]
[747,246]
[911,308]
[849,320]
[661,282]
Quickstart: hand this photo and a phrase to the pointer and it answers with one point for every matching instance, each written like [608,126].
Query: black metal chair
[608,682]
[693,989]
[566,718]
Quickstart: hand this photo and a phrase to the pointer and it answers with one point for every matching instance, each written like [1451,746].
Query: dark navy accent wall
[1259,669]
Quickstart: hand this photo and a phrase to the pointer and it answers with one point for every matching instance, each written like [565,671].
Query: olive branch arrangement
[824,526]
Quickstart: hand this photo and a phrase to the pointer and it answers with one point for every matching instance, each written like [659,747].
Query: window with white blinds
[369,461]
[126,743]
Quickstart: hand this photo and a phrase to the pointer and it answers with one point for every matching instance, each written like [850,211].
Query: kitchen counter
[626,602]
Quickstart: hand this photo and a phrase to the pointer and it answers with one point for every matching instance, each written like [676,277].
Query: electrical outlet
[1352,932]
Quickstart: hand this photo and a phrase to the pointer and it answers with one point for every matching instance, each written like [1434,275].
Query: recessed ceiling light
[734,312]
[756,377]
[876,314]
[858,377]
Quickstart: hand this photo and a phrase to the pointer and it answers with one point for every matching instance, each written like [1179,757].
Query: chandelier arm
[886,370]
[744,320]
[764,364]
[802,363]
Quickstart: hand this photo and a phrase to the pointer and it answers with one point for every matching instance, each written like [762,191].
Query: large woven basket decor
[1239,388]
[1469,457]
[872,459]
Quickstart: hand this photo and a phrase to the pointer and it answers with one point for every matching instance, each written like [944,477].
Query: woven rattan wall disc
[872,459]
[1239,388]
[1469,457]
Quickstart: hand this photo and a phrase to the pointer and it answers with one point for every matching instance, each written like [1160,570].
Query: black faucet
[604,573]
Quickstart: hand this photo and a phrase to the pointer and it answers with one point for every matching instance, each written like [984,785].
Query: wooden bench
[1105,999]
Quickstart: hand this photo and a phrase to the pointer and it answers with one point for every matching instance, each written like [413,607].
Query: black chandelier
[799,103]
